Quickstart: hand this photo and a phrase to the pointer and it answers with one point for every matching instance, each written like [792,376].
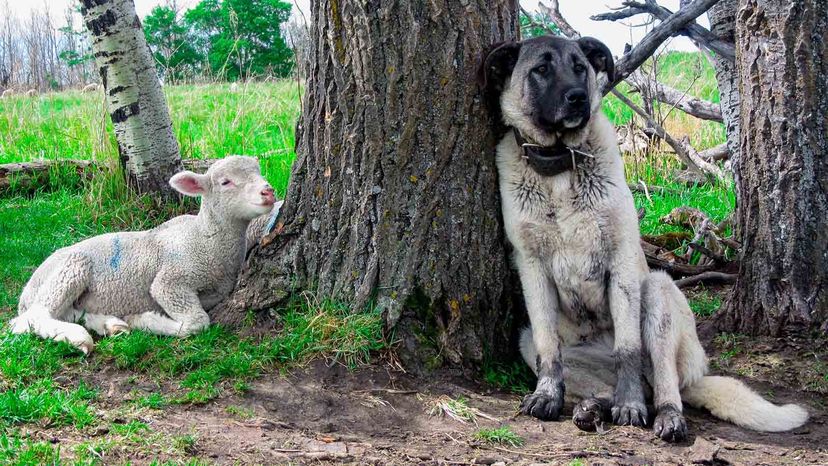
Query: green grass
[15,450]
[217,360]
[704,303]
[513,376]
[500,436]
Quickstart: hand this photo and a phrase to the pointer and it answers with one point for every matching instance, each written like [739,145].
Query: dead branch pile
[701,254]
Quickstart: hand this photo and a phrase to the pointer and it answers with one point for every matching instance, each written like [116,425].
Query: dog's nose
[575,96]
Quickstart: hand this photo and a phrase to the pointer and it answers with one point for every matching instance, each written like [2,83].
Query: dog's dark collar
[549,160]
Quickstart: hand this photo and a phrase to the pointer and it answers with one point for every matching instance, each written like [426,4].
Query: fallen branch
[715,154]
[696,33]
[27,175]
[633,58]
[675,269]
[668,27]
[694,106]
[707,278]
[689,156]
[639,188]
[707,239]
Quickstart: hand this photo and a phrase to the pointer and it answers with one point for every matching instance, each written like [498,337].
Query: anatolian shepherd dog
[601,321]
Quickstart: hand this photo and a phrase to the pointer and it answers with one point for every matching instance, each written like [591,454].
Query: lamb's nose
[268,191]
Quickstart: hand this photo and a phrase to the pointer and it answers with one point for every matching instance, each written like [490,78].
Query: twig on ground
[707,278]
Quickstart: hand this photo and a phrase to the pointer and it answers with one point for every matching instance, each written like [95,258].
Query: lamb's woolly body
[161,280]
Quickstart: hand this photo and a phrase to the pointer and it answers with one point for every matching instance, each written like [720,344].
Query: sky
[577,12]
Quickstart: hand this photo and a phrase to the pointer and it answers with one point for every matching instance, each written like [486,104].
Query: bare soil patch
[329,415]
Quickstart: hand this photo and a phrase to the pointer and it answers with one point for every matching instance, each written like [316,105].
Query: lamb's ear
[190,184]
[599,56]
[497,65]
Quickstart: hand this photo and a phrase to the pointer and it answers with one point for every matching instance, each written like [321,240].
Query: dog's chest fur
[565,222]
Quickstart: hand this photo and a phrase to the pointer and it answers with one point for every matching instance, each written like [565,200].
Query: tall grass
[209,121]
[688,72]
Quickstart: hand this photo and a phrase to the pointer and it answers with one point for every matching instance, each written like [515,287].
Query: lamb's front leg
[541,298]
[628,406]
[179,301]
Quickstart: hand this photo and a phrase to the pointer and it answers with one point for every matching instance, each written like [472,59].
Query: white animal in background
[90,87]
[8,93]
[31,93]
[161,280]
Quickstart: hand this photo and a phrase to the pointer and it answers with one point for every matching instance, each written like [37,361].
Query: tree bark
[393,198]
[782,287]
[147,146]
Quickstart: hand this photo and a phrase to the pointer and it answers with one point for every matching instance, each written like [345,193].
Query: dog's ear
[599,56]
[497,65]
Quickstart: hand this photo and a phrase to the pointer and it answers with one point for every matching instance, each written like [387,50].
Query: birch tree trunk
[146,143]
[393,198]
[722,18]
[782,58]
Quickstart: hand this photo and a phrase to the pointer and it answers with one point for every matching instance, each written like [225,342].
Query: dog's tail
[732,400]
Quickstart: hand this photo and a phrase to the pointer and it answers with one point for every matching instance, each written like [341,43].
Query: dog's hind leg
[662,324]
[590,378]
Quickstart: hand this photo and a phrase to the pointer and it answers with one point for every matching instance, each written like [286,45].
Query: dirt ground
[375,415]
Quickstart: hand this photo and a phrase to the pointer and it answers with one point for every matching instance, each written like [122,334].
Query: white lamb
[159,280]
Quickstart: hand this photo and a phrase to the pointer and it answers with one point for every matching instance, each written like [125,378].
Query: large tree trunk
[146,143]
[393,196]
[783,205]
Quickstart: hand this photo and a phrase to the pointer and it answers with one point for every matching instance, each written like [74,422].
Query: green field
[210,121]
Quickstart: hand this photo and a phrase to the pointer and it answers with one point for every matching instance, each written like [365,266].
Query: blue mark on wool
[115,261]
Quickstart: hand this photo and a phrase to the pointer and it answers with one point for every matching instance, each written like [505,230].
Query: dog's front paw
[630,413]
[542,405]
[669,424]
[589,413]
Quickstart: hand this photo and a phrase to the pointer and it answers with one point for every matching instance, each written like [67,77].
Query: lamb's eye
[542,69]
[226,182]
[579,68]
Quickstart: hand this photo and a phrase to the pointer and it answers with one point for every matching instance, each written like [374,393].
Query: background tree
[783,203]
[76,52]
[393,196]
[242,38]
[146,143]
[172,44]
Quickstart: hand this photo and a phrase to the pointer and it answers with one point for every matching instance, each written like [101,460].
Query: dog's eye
[542,69]
[579,68]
